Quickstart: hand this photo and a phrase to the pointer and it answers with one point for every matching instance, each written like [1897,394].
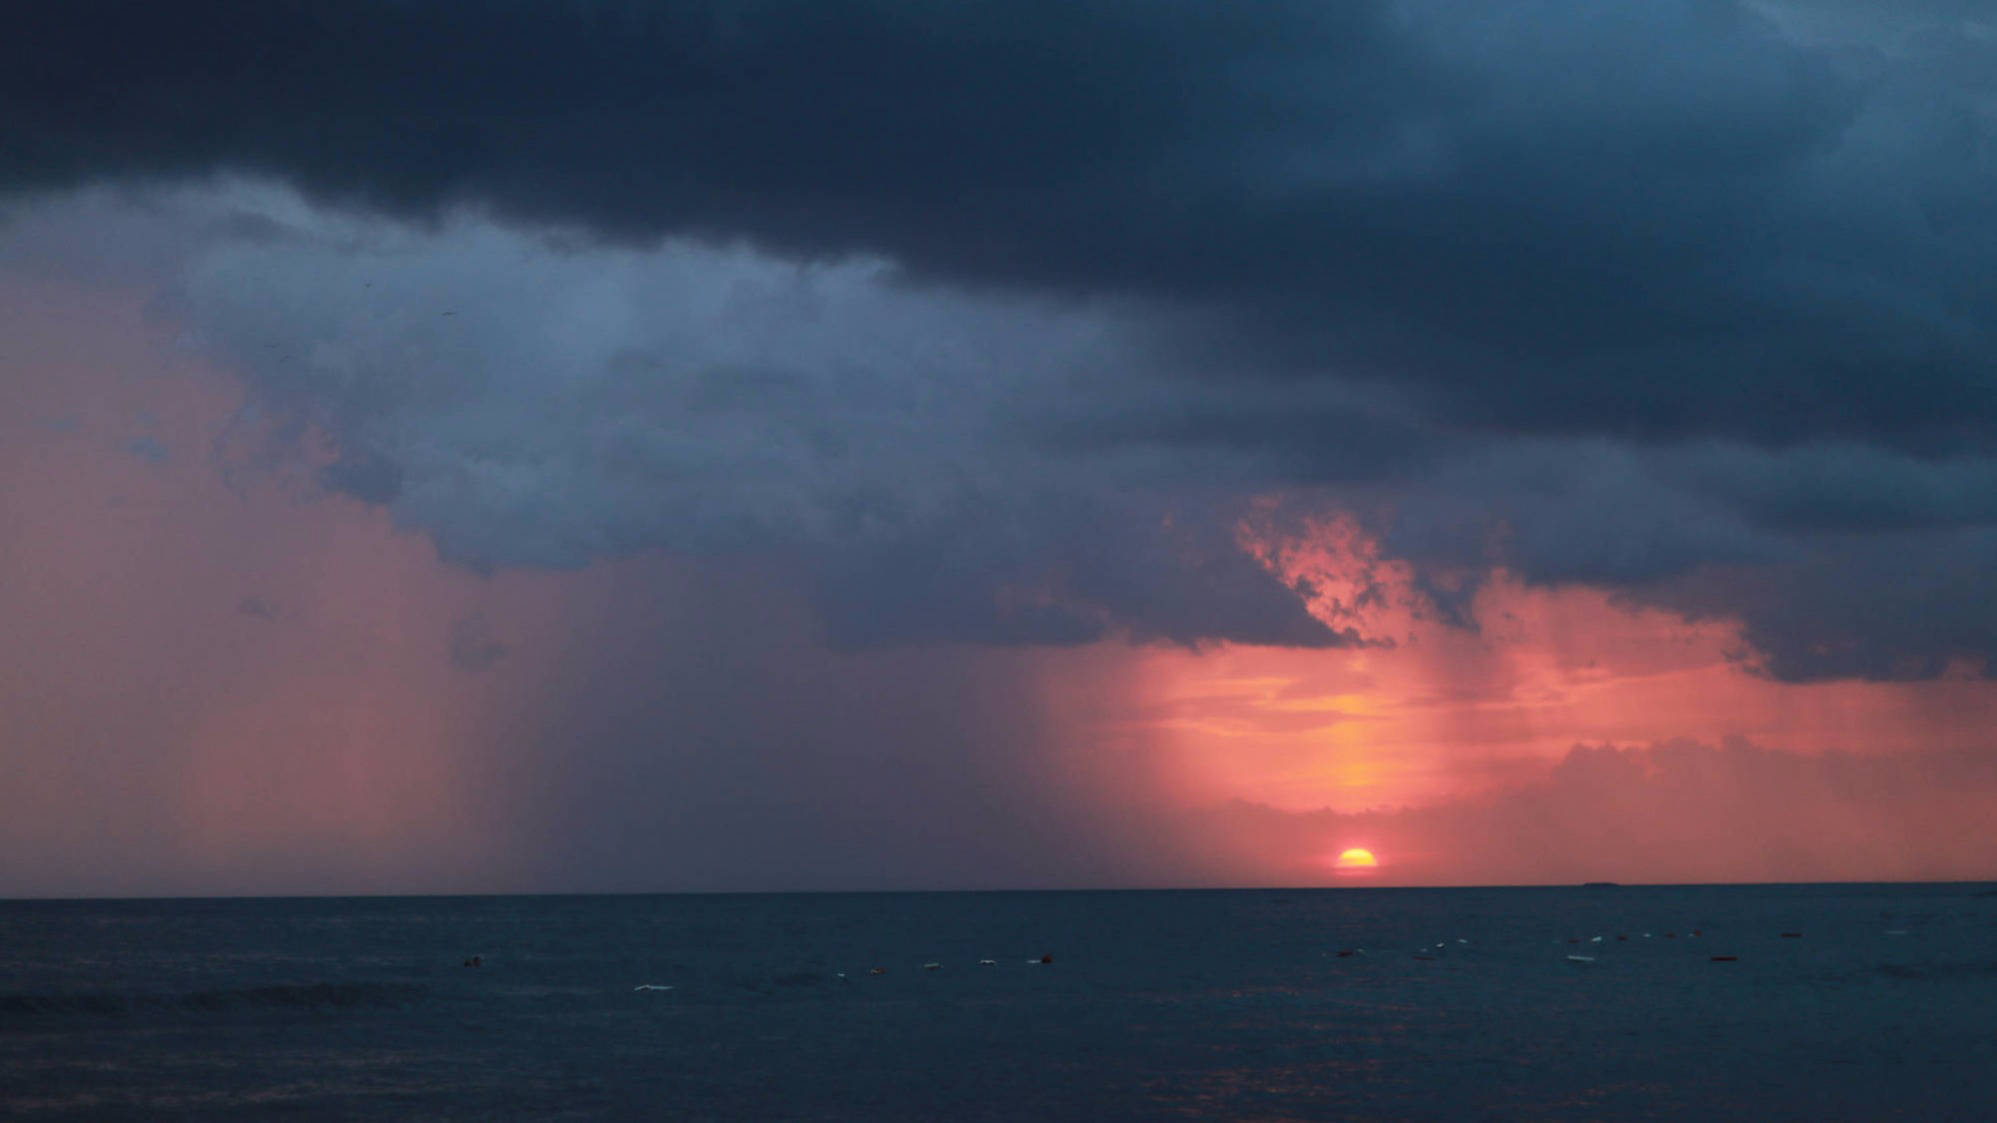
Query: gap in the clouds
[1441,726]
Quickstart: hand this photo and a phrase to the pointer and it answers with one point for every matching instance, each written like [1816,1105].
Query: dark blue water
[1157,1005]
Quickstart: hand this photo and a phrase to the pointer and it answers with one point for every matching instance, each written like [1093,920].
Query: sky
[862,444]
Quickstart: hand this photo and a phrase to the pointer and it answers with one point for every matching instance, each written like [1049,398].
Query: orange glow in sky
[1429,712]
[1427,718]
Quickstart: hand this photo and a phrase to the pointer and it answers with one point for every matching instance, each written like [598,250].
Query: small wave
[307,996]
[310,996]
[57,1005]
[1936,971]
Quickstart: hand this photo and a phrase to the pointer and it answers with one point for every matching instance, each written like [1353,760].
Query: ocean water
[1463,1004]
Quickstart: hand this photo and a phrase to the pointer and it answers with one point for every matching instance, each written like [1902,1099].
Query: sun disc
[1357,858]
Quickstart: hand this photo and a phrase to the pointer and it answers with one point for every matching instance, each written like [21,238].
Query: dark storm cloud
[1073,570]
[367,477]
[1843,487]
[1839,560]
[1643,295]
[1906,606]
[1652,219]
[908,451]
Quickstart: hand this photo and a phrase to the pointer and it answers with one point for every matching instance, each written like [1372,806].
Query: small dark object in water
[1046,959]
[877,970]
[475,961]
[1726,959]
[1620,936]
[1671,935]
[1792,935]
[1345,953]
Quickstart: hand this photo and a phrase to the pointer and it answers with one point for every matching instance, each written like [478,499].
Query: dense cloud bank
[993,317]
[1658,219]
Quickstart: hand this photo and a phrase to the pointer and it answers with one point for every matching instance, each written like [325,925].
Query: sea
[1818,1002]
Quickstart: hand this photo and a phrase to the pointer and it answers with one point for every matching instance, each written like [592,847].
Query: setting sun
[1357,858]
